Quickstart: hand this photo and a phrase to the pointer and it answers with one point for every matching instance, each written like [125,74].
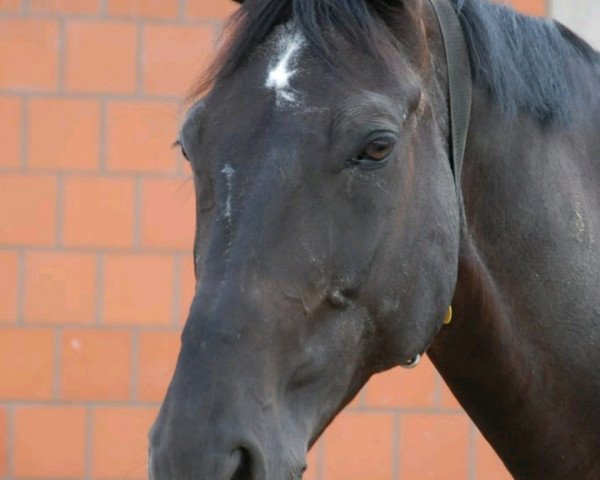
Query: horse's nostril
[244,464]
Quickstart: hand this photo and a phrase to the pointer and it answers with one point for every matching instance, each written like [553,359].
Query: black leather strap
[460,88]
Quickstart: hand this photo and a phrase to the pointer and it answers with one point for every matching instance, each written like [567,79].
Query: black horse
[332,237]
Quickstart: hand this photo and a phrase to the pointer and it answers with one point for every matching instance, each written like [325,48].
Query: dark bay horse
[331,236]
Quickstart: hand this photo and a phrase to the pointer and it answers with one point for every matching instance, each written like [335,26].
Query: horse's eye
[379,149]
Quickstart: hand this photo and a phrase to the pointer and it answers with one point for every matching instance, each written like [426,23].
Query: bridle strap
[460,89]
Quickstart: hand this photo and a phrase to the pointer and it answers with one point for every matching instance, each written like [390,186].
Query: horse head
[327,230]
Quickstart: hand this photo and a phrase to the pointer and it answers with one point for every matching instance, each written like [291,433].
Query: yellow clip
[448,317]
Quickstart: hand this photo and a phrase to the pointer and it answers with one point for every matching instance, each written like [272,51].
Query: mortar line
[60,210]
[182,4]
[135,350]
[362,397]
[321,459]
[125,175]
[24,145]
[177,290]
[89,442]
[149,251]
[103,134]
[59,478]
[471,452]
[123,404]
[396,447]
[437,390]
[137,213]
[107,19]
[139,57]
[116,97]
[24,153]
[62,55]
[21,282]
[92,327]
[99,303]
[125,477]
[57,382]
[10,437]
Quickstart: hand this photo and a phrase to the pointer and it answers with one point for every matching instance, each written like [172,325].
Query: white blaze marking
[289,45]
[228,171]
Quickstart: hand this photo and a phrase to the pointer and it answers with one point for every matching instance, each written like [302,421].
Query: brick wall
[96,220]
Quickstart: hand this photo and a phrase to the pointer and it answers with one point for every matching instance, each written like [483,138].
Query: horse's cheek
[419,286]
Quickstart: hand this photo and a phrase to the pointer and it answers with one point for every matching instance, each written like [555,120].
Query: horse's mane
[523,62]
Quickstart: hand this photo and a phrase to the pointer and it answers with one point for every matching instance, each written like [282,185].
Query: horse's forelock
[362,23]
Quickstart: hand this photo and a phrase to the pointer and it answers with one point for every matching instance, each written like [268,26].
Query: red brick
[138,289]
[64,134]
[144,8]
[49,442]
[65,6]
[403,388]
[96,365]
[531,7]
[101,57]
[157,357]
[10,6]
[215,9]
[99,212]
[60,287]
[28,54]
[182,51]
[359,446]
[140,136]
[10,126]
[3,442]
[9,277]
[27,209]
[168,214]
[188,286]
[121,443]
[434,447]
[26,363]
[488,465]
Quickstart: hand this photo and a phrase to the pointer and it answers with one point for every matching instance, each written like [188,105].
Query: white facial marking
[289,44]
[580,228]
[228,171]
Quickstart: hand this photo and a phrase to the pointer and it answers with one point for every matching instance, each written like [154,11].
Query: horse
[344,203]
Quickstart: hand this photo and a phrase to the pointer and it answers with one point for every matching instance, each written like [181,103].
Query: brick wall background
[96,221]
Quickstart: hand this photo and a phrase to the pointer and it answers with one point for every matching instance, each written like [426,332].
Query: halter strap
[460,89]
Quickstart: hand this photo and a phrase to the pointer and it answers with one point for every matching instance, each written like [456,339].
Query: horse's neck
[522,354]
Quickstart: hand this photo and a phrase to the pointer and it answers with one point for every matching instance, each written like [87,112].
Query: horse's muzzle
[241,463]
